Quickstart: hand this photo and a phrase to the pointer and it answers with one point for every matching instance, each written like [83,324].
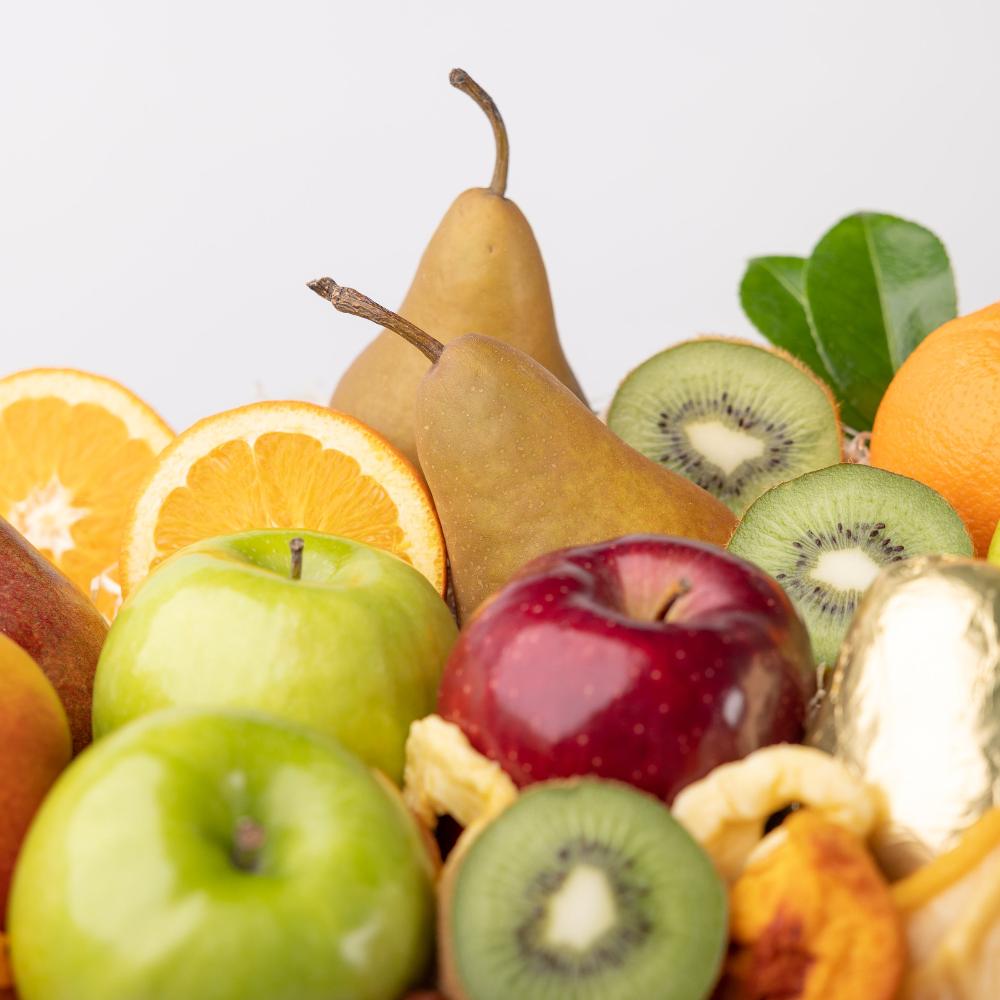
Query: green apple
[994,553]
[220,855]
[353,646]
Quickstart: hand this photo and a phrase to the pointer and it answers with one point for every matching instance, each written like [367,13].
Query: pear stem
[297,546]
[349,300]
[463,82]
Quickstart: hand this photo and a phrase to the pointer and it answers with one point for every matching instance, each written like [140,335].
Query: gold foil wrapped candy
[914,703]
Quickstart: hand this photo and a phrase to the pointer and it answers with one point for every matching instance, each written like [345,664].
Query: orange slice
[283,465]
[74,450]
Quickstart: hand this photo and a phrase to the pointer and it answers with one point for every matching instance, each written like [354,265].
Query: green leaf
[774,298]
[876,286]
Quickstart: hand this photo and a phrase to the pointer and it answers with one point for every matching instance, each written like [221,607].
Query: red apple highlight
[647,659]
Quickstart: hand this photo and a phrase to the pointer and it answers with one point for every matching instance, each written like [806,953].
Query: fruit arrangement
[457,689]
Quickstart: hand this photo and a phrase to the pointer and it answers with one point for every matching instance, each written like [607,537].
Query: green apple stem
[676,590]
[297,546]
[248,841]
[349,300]
[463,82]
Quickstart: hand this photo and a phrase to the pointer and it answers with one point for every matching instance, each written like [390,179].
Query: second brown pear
[482,271]
[518,466]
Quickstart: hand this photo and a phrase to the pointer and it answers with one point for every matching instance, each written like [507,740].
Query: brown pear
[518,466]
[482,271]
[49,618]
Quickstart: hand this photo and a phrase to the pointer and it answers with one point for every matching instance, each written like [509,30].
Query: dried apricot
[6,980]
[813,920]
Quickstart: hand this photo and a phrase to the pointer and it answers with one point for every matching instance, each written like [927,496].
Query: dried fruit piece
[727,812]
[951,910]
[6,980]
[813,920]
[445,776]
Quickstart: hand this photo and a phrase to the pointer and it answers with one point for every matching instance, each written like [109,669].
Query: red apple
[646,659]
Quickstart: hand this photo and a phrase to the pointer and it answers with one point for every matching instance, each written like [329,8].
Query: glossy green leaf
[773,296]
[876,286]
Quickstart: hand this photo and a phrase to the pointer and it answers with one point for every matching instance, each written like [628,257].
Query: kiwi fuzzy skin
[451,983]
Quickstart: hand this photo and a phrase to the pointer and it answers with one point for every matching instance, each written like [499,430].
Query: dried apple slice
[727,812]
[445,776]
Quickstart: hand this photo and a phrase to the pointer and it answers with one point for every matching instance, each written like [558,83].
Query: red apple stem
[673,593]
[297,546]
[248,841]
[349,300]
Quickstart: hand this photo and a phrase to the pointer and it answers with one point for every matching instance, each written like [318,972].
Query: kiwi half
[825,535]
[732,417]
[582,890]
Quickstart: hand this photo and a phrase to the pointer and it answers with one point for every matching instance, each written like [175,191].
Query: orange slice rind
[74,450]
[283,465]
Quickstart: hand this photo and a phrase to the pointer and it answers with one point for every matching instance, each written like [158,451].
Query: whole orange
[35,746]
[939,421]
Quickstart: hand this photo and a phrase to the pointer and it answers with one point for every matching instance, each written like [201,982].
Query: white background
[172,173]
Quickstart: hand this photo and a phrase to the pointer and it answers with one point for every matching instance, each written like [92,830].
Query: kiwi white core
[723,446]
[581,910]
[46,516]
[845,569]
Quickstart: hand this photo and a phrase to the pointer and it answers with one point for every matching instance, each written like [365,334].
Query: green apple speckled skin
[129,886]
[354,648]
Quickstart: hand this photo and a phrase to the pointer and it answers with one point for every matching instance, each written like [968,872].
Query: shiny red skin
[558,675]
